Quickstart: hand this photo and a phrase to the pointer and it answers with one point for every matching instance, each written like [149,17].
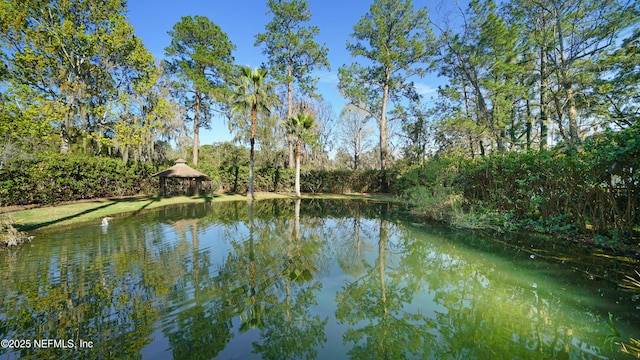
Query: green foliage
[438,203]
[292,52]
[437,173]
[519,63]
[289,45]
[592,189]
[253,96]
[397,41]
[274,179]
[347,181]
[299,127]
[70,62]
[52,178]
[433,189]
[200,57]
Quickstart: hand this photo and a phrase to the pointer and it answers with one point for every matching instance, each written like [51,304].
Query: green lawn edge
[52,217]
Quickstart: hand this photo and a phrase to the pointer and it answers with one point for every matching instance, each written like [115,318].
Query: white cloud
[327,77]
[424,89]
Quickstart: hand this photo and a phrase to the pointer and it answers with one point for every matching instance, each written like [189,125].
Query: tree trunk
[196,129]
[574,132]
[467,109]
[254,116]
[382,124]
[298,155]
[544,85]
[64,135]
[125,155]
[567,85]
[290,138]
[358,148]
[529,125]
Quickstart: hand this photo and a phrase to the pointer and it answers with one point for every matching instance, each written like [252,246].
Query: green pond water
[316,279]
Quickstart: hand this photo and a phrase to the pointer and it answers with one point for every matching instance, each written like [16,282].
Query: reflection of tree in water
[489,312]
[374,307]
[269,281]
[351,246]
[202,330]
[94,290]
[409,285]
[291,331]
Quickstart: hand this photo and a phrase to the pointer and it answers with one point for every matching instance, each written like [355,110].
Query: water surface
[317,279]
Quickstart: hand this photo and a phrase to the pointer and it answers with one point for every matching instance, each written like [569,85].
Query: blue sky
[243,19]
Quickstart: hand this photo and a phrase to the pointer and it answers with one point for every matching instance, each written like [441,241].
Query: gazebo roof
[181,170]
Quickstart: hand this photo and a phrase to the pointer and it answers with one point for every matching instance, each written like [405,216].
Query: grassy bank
[48,217]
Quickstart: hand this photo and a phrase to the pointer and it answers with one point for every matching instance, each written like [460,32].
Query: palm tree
[253,94]
[299,127]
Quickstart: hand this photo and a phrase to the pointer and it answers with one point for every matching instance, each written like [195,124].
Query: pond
[323,279]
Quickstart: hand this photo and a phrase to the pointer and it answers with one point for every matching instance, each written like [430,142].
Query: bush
[273,179]
[590,189]
[348,181]
[52,178]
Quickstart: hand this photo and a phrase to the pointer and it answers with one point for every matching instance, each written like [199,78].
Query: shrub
[51,178]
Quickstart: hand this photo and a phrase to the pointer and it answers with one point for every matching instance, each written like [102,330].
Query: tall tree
[299,127]
[254,94]
[398,42]
[293,54]
[322,112]
[536,26]
[575,44]
[483,62]
[200,57]
[72,59]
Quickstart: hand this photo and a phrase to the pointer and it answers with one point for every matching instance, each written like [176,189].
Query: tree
[253,94]
[415,128]
[292,52]
[484,63]
[398,42]
[536,22]
[200,57]
[620,95]
[355,132]
[143,117]
[299,127]
[574,43]
[73,60]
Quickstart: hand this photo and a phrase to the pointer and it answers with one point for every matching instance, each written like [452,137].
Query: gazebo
[181,179]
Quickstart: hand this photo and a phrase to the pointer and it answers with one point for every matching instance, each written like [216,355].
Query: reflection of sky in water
[190,281]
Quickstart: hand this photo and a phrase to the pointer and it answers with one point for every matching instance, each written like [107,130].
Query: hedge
[52,178]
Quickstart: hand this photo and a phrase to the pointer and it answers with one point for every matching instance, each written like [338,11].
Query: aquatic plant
[633,345]
[9,235]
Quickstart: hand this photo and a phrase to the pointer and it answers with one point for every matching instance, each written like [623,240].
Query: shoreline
[31,218]
[24,221]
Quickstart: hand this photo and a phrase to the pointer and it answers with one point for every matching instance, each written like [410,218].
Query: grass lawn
[93,211]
